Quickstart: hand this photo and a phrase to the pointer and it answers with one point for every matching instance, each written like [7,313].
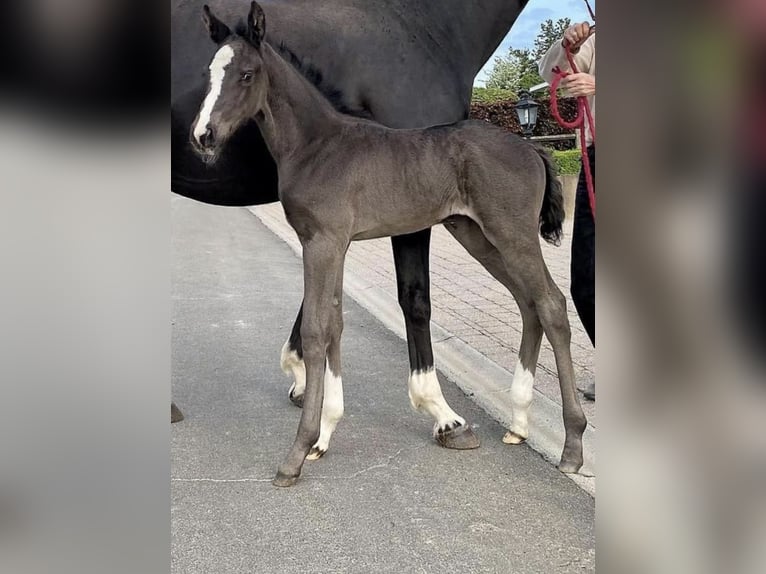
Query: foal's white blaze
[222,58]
[522,390]
[426,396]
[332,411]
[293,365]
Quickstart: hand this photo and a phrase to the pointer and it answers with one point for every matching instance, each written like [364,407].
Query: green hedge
[503,113]
[492,95]
[497,106]
[568,161]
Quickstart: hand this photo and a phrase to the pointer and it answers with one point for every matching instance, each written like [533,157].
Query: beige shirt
[584,59]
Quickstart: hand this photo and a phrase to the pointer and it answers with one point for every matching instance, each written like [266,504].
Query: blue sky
[523,32]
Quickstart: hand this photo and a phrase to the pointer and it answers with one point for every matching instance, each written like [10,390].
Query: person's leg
[583,265]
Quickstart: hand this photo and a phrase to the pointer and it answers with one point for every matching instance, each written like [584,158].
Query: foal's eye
[246,76]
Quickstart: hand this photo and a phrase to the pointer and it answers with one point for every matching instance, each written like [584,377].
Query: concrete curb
[487,383]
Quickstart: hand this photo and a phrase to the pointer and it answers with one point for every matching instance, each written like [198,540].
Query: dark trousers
[583,268]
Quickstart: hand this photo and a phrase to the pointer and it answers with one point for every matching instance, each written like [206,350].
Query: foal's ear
[256,24]
[218,30]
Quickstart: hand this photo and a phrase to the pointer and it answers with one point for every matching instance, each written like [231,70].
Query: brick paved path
[467,301]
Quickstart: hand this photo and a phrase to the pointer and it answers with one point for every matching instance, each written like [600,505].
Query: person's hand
[575,36]
[580,84]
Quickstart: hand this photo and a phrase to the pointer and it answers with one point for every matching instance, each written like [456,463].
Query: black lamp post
[526,108]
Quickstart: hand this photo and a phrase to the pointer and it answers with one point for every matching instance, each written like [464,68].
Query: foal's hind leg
[522,386]
[519,249]
[523,259]
[470,236]
[551,305]
[411,262]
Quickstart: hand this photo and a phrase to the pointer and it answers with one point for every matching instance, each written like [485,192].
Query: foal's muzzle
[207,139]
[205,145]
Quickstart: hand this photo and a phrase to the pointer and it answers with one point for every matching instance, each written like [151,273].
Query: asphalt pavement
[386,497]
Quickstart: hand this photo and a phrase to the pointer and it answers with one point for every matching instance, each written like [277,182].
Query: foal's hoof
[459,438]
[315,453]
[297,400]
[283,480]
[569,466]
[513,438]
[175,414]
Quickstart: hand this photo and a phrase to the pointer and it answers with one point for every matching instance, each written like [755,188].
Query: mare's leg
[291,360]
[519,247]
[470,236]
[411,261]
[322,266]
[332,406]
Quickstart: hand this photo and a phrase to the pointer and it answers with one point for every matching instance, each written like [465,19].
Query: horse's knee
[313,337]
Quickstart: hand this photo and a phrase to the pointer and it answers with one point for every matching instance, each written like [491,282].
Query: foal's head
[238,82]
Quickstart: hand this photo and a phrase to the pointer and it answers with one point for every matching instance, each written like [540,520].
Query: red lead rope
[583,113]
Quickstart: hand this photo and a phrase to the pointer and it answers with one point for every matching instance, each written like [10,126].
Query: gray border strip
[486,382]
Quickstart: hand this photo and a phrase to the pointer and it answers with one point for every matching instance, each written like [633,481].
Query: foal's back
[384,181]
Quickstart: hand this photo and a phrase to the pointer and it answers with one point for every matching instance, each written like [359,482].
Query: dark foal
[403,63]
[343,179]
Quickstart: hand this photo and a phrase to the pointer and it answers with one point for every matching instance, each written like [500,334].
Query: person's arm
[581,39]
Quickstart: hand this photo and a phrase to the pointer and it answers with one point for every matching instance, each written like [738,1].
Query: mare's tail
[552,212]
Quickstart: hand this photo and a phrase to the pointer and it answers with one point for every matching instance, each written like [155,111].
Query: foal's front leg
[291,361]
[322,266]
[332,405]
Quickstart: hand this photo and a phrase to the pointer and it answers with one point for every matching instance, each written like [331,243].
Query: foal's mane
[313,74]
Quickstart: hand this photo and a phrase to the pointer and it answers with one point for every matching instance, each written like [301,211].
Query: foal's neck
[296,113]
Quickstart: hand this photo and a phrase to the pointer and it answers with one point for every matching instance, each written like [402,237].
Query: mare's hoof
[175,414]
[569,467]
[513,438]
[297,400]
[315,453]
[459,438]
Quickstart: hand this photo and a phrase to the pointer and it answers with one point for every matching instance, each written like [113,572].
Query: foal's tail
[552,212]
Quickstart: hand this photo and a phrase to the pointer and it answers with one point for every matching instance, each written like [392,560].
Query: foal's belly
[383,222]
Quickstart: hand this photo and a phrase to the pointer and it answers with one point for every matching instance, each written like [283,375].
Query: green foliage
[550,32]
[517,70]
[568,161]
[502,113]
[492,95]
